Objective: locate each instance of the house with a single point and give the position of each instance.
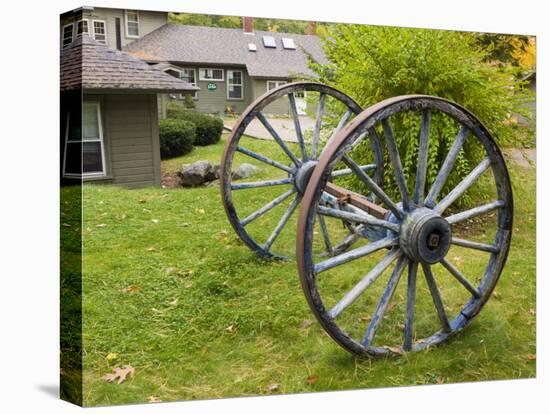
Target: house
(232, 67)
(115, 28)
(109, 115)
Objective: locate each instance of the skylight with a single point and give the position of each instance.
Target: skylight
(269, 41)
(252, 47)
(288, 43)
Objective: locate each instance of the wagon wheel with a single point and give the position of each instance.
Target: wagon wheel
(260, 209)
(357, 295)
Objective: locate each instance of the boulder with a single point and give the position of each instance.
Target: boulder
(197, 173)
(245, 171)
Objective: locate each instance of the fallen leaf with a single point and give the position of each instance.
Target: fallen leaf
(111, 355)
(174, 302)
(496, 295)
(531, 357)
(154, 221)
(440, 380)
(65, 224)
(312, 379)
(532, 311)
(170, 270)
(231, 328)
(188, 285)
(120, 374)
(306, 324)
(199, 210)
(123, 216)
(365, 318)
(153, 399)
(131, 289)
(273, 387)
(151, 249)
(184, 224)
(101, 225)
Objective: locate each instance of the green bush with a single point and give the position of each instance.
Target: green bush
(176, 137)
(189, 102)
(208, 128)
(374, 63)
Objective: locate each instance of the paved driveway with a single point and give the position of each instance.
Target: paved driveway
(283, 126)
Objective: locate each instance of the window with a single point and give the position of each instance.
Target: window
(81, 28)
(269, 41)
(67, 35)
(235, 84)
(288, 43)
(132, 23)
(209, 74)
(189, 75)
(272, 84)
(84, 153)
(100, 34)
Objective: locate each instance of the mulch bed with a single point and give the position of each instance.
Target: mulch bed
(170, 180)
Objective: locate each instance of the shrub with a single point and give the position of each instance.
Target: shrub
(374, 63)
(176, 137)
(208, 128)
(189, 102)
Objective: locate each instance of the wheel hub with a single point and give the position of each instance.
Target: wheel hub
(425, 236)
(303, 174)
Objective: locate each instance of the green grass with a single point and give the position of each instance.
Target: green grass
(206, 318)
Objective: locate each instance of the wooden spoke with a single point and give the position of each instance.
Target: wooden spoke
(460, 277)
(463, 186)
(411, 298)
(475, 245)
(267, 207)
(384, 301)
(355, 254)
(372, 186)
(422, 162)
(277, 138)
(476, 211)
(257, 184)
(262, 158)
(324, 231)
(282, 222)
(297, 126)
(345, 118)
(318, 124)
(396, 164)
(358, 217)
(446, 167)
(436, 297)
(364, 283)
(347, 171)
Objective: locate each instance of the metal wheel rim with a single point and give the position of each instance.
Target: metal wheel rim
(233, 141)
(319, 177)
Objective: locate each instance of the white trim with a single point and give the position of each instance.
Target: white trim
(63, 45)
(180, 70)
(126, 24)
(211, 80)
(277, 84)
(87, 27)
(100, 139)
(104, 30)
(235, 84)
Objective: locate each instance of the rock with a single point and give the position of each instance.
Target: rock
(245, 170)
(197, 173)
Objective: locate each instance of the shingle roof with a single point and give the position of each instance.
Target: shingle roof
(88, 64)
(219, 46)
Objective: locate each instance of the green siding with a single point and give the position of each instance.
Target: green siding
(130, 125)
(279, 107)
(148, 21)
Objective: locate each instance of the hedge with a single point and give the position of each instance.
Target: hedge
(208, 128)
(176, 137)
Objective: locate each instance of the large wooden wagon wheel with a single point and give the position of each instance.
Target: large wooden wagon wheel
(360, 296)
(266, 205)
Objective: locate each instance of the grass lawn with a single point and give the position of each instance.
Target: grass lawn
(170, 290)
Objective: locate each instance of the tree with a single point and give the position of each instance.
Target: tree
(374, 63)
